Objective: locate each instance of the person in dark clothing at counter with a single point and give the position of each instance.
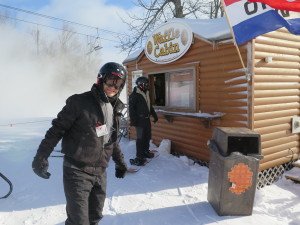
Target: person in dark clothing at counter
(88, 127)
(140, 109)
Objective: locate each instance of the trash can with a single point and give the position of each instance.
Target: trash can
(233, 170)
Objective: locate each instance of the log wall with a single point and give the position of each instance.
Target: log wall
(276, 95)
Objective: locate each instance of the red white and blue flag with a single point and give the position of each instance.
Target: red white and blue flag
(251, 19)
(289, 5)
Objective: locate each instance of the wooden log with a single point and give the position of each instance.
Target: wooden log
(276, 78)
(272, 122)
(227, 103)
(276, 64)
(279, 141)
(275, 135)
(283, 154)
(276, 85)
(222, 67)
(270, 40)
(223, 81)
(224, 109)
(282, 36)
(226, 74)
(276, 71)
(276, 49)
(274, 163)
(222, 95)
(276, 93)
(276, 107)
(276, 114)
(275, 100)
(233, 123)
(276, 56)
(293, 146)
(272, 129)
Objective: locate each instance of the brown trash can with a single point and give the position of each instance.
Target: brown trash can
(233, 170)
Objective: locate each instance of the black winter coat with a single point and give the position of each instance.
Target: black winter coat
(76, 126)
(138, 108)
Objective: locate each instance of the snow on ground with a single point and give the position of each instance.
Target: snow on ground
(169, 190)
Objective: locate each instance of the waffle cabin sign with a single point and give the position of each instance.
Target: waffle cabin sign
(168, 42)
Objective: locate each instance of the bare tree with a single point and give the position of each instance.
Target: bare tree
(158, 12)
(67, 52)
(6, 18)
(3, 17)
(216, 9)
(67, 40)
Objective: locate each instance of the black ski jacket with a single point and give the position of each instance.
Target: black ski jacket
(138, 109)
(76, 126)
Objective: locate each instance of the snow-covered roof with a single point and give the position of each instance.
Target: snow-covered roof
(208, 29)
(133, 56)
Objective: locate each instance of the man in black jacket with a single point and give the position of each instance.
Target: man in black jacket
(88, 127)
(140, 109)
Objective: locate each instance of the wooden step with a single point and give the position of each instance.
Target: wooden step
(293, 174)
(296, 164)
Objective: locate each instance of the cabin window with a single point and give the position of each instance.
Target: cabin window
(174, 89)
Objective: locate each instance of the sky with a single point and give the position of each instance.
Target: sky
(35, 86)
(37, 4)
(102, 14)
(167, 191)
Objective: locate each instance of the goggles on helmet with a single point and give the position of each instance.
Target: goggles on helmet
(117, 83)
(144, 86)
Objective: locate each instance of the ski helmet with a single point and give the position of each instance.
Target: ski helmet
(113, 72)
(143, 83)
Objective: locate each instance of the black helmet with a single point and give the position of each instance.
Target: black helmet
(142, 83)
(112, 69)
(113, 74)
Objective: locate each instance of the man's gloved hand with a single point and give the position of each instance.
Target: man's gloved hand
(120, 171)
(40, 166)
(133, 123)
(155, 119)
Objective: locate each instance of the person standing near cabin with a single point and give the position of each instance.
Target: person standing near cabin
(88, 127)
(140, 109)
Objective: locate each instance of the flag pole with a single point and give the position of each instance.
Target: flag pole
(234, 41)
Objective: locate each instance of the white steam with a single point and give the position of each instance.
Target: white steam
(37, 85)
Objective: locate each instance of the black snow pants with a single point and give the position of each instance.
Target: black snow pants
(143, 136)
(85, 195)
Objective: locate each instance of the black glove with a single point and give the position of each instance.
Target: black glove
(133, 123)
(155, 119)
(120, 172)
(40, 166)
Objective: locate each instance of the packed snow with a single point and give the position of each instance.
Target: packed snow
(169, 190)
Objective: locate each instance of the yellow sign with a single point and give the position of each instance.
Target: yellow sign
(169, 42)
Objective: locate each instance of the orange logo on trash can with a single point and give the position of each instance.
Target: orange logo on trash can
(241, 178)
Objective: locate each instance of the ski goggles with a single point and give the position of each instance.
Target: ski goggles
(114, 82)
(144, 86)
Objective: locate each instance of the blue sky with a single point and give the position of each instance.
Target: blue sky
(126, 4)
(36, 4)
(27, 4)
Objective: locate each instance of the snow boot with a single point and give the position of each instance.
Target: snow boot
(148, 154)
(138, 161)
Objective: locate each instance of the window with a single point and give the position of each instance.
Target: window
(174, 89)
